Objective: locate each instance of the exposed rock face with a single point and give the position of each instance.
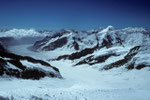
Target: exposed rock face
(52, 42)
(70, 39)
(91, 60)
(43, 42)
(56, 44)
(25, 67)
(78, 55)
(125, 60)
(75, 44)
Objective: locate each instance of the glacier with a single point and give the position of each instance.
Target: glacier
(98, 64)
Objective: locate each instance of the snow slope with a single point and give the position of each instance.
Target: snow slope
(106, 37)
(88, 81)
(79, 83)
(100, 48)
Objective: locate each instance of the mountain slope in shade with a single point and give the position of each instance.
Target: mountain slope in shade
(25, 67)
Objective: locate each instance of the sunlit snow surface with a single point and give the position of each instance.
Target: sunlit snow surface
(20, 33)
(79, 83)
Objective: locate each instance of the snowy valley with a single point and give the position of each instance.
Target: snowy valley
(99, 64)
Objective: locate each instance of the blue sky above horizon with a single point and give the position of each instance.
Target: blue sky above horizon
(74, 14)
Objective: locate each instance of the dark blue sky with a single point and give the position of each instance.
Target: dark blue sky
(74, 14)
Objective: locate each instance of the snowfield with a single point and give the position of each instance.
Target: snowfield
(79, 83)
(102, 64)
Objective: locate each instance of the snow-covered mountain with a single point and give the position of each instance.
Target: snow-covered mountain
(99, 64)
(97, 47)
(25, 67)
(104, 48)
(20, 33)
(21, 36)
(79, 40)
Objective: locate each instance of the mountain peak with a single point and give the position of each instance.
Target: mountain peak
(109, 28)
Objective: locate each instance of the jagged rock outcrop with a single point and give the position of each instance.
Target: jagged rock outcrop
(91, 60)
(78, 55)
(71, 39)
(127, 58)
